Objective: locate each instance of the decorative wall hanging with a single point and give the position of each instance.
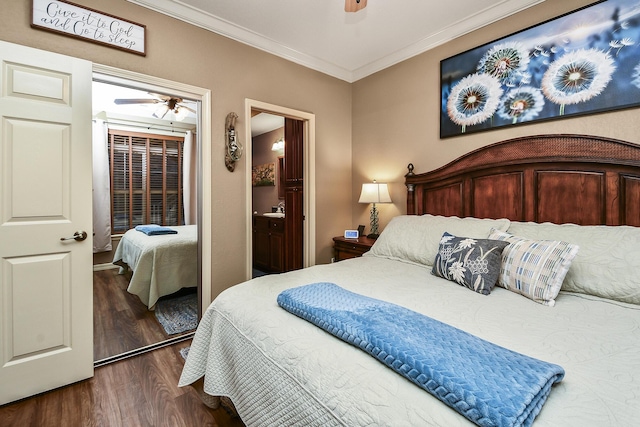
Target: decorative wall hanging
(264, 175)
(583, 62)
(64, 17)
(233, 146)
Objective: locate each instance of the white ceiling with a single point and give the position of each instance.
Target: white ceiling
(320, 35)
(264, 122)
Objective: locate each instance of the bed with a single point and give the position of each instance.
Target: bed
(280, 369)
(160, 264)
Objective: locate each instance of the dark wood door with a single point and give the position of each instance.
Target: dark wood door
(276, 252)
(294, 194)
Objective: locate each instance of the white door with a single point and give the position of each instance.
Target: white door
(46, 297)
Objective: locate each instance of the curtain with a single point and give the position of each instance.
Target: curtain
(101, 189)
(189, 191)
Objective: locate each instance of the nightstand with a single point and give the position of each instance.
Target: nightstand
(351, 248)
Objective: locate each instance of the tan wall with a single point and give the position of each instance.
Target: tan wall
(368, 130)
(102, 258)
(232, 71)
(396, 115)
(106, 257)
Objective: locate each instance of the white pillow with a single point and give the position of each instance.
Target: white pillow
(534, 268)
(415, 239)
(608, 263)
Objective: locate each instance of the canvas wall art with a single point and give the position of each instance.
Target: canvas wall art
(264, 175)
(584, 62)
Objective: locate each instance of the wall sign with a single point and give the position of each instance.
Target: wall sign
(88, 24)
(584, 62)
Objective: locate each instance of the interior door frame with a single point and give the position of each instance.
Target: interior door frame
(121, 77)
(309, 183)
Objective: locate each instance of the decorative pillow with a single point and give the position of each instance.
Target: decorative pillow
(474, 263)
(534, 268)
(415, 238)
(608, 263)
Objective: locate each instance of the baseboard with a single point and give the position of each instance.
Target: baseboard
(105, 266)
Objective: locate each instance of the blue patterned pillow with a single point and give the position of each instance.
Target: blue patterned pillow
(474, 263)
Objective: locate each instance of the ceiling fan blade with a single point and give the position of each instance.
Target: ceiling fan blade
(161, 112)
(164, 98)
(120, 101)
(188, 108)
(354, 5)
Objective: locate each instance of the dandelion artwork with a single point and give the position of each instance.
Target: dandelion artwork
(474, 99)
(264, 175)
(577, 77)
(584, 62)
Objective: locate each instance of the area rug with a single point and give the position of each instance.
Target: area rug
(177, 315)
(184, 352)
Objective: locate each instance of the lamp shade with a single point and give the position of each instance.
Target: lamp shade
(374, 193)
(278, 145)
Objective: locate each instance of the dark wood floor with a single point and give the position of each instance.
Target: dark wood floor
(121, 322)
(140, 391)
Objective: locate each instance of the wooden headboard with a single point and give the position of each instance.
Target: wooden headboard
(578, 179)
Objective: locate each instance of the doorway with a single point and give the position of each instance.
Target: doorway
(307, 162)
(268, 203)
(52, 314)
(146, 332)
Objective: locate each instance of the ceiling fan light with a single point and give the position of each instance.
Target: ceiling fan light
(181, 113)
(354, 5)
(160, 111)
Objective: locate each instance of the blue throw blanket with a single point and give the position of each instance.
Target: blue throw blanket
(155, 230)
(488, 384)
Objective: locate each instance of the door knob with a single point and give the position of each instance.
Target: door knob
(78, 236)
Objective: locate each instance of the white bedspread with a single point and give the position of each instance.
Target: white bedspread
(281, 370)
(161, 264)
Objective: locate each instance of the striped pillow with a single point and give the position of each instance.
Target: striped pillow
(534, 268)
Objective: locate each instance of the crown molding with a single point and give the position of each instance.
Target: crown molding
(193, 16)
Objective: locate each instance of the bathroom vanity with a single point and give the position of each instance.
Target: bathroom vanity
(268, 243)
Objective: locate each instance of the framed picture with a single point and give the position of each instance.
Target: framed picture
(264, 175)
(583, 62)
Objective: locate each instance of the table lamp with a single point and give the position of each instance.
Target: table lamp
(374, 193)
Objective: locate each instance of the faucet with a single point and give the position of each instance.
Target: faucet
(281, 206)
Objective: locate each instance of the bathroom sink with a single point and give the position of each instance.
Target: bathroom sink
(274, 214)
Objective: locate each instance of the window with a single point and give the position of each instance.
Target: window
(146, 180)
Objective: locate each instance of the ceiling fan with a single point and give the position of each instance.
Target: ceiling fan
(354, 5)
(167, 103)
